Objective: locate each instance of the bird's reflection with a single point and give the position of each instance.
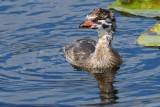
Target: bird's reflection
(104, 78)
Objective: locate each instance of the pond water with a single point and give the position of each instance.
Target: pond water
(34, 72)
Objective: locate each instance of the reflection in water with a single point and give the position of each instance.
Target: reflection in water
(104, 78)
(105, 84)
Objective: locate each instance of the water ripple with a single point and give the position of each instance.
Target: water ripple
(33, 69)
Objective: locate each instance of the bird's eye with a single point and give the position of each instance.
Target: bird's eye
(105, 26)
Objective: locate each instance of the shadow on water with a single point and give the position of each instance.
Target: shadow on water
(104, 78)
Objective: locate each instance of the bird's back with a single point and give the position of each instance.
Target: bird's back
(79, 51)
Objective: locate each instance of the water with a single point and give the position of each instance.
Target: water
(34, 72)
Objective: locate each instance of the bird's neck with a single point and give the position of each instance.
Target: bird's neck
(103, 46)
(105, 32)
(104, 39)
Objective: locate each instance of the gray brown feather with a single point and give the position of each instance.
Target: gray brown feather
(79, 50)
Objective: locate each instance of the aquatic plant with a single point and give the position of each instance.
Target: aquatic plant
(146, 8)
(150, 37)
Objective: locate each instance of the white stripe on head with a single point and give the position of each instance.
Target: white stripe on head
(89, 17)
(104, 22)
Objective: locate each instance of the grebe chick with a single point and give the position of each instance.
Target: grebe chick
(88, 53)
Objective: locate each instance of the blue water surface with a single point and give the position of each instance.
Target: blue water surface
(34, 72)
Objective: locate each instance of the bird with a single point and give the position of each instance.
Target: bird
(99, 54)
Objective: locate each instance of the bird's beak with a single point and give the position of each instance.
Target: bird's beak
(86, 24)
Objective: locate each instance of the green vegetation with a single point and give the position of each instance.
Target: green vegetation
(150, 37)
(146, 8)
(137, 4)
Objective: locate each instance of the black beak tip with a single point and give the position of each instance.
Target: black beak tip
(80, 26)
